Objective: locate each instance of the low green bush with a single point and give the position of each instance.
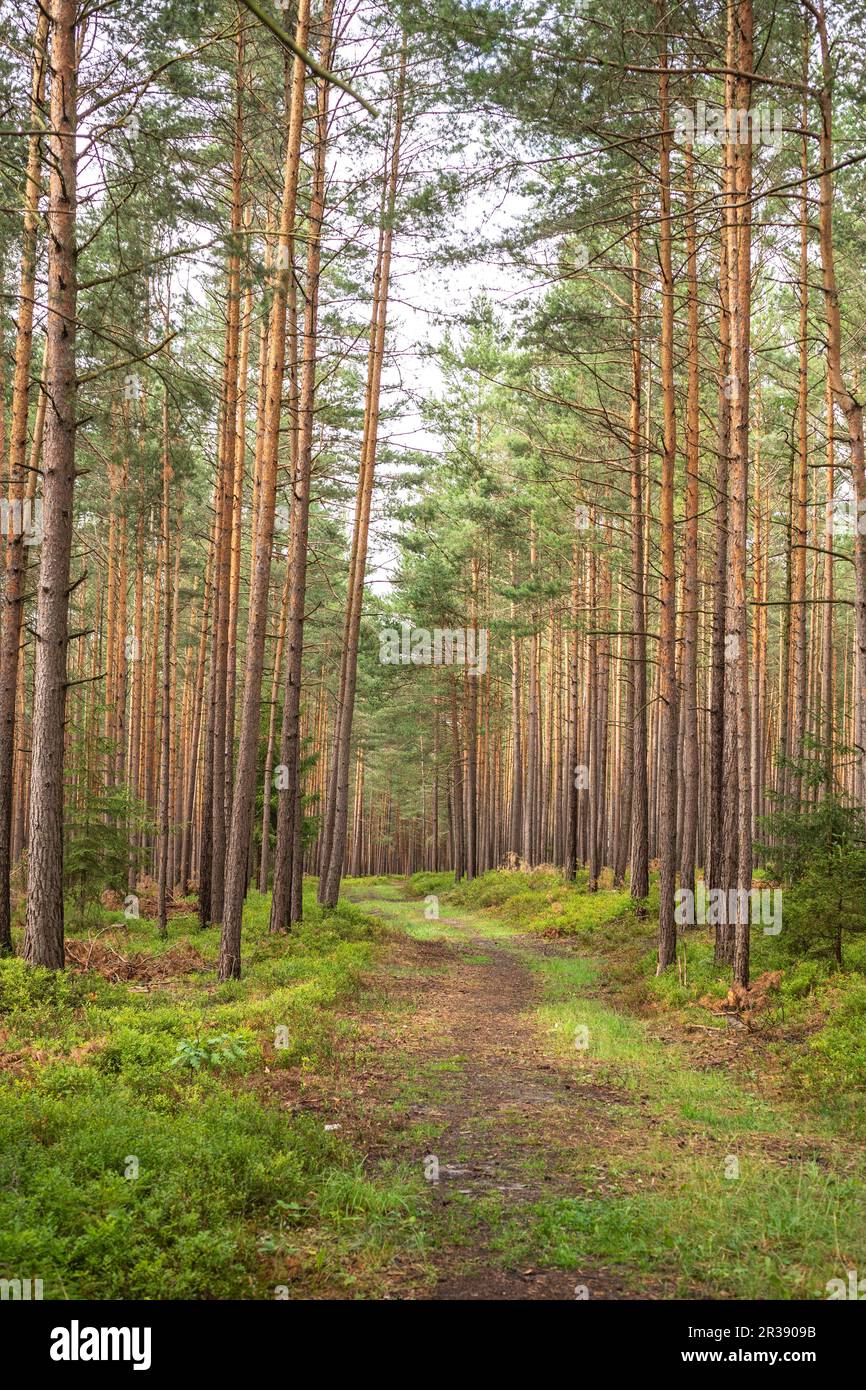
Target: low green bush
(422, 884)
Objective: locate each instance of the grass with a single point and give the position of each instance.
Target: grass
(814, 1023)
(148, 1153)
(783, 1226)
(768, 1234)
(127, 1175)
(725, 1190)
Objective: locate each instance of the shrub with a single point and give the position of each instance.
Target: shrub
(835, 1061)
(98, 831)
(819, 852)
(213, 1050)
(423, 883)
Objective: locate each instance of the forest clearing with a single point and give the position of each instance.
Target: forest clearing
(433, 655)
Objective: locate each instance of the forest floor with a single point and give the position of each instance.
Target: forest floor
(454, 1073)
(394, 1104)
(577, 1155)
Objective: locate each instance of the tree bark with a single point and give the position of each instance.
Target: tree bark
(667, 834)
(337, 810)
(287, 901)
(43, 941)
(245, 782)
(843, 397)
(16, 555)
(739, 241)
(691, 595)
(640, 793)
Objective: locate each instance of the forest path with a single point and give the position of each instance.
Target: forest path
(455, 1072)
(582, 1152)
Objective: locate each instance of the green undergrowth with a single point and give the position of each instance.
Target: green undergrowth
(769, 1234)
(812, 1015)
(145, 1154)
(537, 900)
(720, 1191)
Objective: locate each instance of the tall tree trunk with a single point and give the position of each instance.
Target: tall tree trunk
(640, 793)
(668, 593)
(287, 901)
(248, 746)
(691, 594)
(43, 941)
(16, 555)
(265, 854)
(515, 832)
(850, 407)
(191, 771)
(721, 729)
(338, 798)
(572, 788)
(739, 234)
(239, 451)
(471, 711)
(165, 715)
(530, 809)
(459, 838)
(827, 722)
(221, 734)
(135, 723)
(799, 652)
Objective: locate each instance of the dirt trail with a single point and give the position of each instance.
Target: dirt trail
(455, 1043)
(555, 1171)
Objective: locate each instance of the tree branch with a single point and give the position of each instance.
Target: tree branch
(285, 39)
